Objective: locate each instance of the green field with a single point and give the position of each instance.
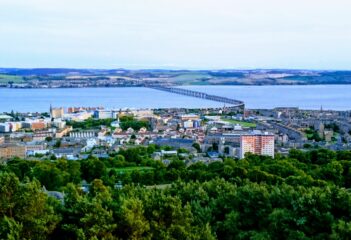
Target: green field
(10, 78)
(242, 123)
(309, 135)
(190, 78)
(131, 169)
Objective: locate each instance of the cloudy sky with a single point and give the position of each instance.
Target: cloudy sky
(193, 34)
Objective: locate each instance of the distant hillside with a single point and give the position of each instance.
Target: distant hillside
(65, 77)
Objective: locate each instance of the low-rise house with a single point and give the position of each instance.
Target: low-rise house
(80, 116)
(205, 160)
(69, 153)
(156, 155)
(42, 135)
(35, 152)
(168, 153)
(142, 130)
(35, 146)
(90, 144)
(58, 123)
(63, 132)
(107, 141)
(100, 153)
(166, 162)
(83, 134)
(115, 124)
(175, 142)
(5, 127)
(130, 130)
(5, 118)
(40, 125)
(328, 135)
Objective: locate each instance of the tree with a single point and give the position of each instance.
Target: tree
(92, 168)
(257, 197)
(322, 156)
(50, 176)
(26, 210)
(197, 147)
(48, 139)
(333, 171)
(88, 216)
(231, 225)
(19, 167)
(341, 230)
(10, 229)
(133, 222)
(74, 171)
(151, 148)
(58, 143)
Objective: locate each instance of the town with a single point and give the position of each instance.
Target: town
(192, 135)
(175, 120)
(83, 78)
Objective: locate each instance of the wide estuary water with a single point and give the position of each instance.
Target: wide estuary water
(336, 97)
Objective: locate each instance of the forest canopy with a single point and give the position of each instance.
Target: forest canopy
(130, 196)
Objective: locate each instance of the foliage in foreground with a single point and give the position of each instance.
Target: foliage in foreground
(305, 196)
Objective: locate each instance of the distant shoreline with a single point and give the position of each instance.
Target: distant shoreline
(187, 85)
(63, 78)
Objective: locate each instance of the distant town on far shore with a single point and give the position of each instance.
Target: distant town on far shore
(64, 77)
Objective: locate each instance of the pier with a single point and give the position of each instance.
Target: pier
(232, 102)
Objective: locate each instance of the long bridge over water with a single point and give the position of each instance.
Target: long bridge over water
(232, 102)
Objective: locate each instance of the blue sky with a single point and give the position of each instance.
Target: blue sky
(193, 34)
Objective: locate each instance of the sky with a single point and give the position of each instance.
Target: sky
(176, 34)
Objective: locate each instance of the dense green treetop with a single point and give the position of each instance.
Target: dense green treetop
(303, 196)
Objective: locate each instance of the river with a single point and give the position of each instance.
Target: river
(335, 97)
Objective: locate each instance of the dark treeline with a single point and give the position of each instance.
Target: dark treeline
(303, 196)
(90, 123)
(126, 122)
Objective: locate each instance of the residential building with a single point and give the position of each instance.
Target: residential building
(62, 132)
(5, 127)
(10, 150)
(83, 134)
(42, 135)
(104, 114)
(187, 117)
(175, 142)
(70, 153)
(15, 126)
(56, 112)
(79, 116)
(32, 146)
(58, 123)
(188, 124)
(5, 118)
(261, 144)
